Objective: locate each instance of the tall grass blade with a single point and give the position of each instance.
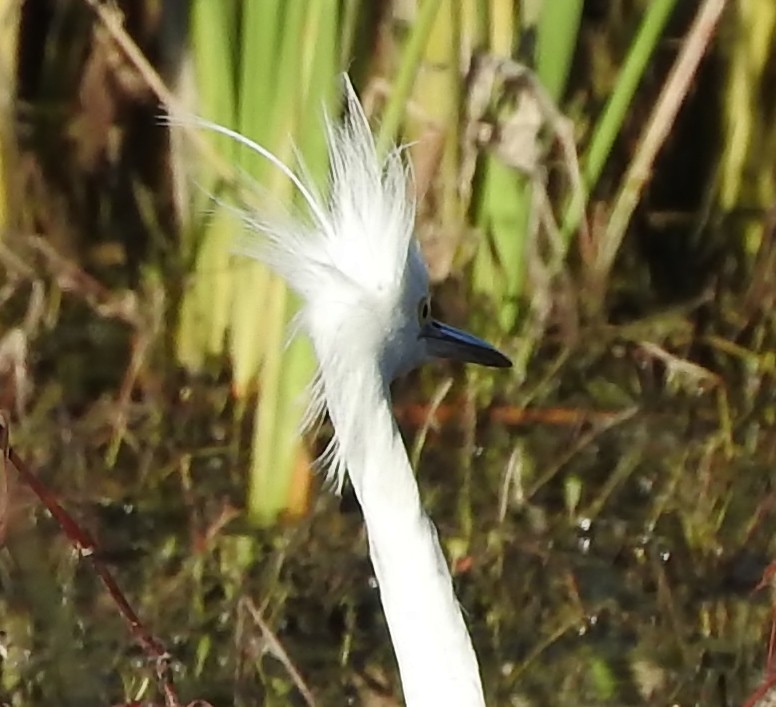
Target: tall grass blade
(656, 131)
(747, 131)
(505, 214)
(411, 56)
(501, 211)
(9, 36)
(609, 124)
(437, 96)
(308, 57)
(556, 42)
(204, 310)
(266, 68)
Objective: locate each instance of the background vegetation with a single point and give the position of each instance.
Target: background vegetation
(596, 195)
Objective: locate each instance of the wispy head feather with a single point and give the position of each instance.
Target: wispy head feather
(348, 259)
(361, 231)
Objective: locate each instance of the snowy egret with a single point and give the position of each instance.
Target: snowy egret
(366, 308)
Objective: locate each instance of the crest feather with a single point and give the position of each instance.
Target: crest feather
(348, 253)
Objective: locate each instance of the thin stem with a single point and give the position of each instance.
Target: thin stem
(658, 127)
(610, 123)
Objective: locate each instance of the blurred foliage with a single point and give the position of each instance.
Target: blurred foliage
(9, 33)
(609, 509)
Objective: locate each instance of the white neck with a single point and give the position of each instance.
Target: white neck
(436, 659)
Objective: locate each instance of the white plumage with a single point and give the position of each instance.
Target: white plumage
(365, 306)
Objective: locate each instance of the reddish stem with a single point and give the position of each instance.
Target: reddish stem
(86, 547)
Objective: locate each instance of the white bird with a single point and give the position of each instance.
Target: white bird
(365, 306)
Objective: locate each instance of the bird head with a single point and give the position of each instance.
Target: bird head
(356, 265)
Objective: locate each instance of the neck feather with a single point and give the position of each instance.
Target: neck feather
(436, 659)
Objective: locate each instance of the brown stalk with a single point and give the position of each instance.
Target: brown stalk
(658, 127)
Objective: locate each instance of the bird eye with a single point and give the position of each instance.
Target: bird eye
(424, 310)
